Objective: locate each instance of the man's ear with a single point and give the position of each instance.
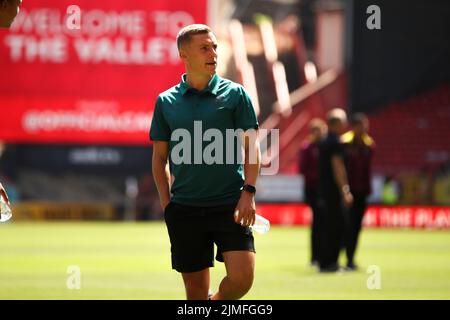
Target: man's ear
(182, 53)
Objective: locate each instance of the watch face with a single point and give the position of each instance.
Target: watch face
(249, 188)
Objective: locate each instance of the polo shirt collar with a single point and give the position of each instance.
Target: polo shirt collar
(213, 85)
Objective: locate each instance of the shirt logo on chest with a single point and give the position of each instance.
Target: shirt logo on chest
(220, 98)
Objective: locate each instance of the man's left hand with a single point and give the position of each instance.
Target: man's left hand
(244, 213)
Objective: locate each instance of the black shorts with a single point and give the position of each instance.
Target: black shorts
(194, 230)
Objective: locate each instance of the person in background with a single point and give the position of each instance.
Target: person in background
(8, 12)
(334, 192)
(309, 167)
(390, 192)
(3, 194)
(359, 150)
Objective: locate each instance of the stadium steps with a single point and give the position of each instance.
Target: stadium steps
(413, 135)
(294, 128)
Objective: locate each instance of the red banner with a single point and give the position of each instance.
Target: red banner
(375, 216)
(89, 73)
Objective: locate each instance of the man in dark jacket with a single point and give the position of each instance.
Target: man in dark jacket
(334, 192)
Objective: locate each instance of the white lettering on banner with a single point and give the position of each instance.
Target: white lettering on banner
(424, 218)
(396, 217)
(100, 36)
(370, 218)
(43, 22)
(73, 120)
(157, 51)
(32, 49)
(409, 217)
(99, 23)
(169, 23)
(283, 213)
(442, 219)
(94, 23)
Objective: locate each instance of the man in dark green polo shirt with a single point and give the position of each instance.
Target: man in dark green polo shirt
(199, 125)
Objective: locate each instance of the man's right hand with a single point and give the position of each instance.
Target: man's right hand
(347, 199)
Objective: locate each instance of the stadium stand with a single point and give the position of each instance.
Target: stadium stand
(413, 134)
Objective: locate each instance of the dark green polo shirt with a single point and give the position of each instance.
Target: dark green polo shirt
(222, 106)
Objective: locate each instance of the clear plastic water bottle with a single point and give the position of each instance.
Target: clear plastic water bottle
(261, 225)
(5, 210)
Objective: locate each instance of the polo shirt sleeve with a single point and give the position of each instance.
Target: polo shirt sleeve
(159, 129)
(244, 114)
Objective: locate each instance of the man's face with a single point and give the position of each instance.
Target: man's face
(341, 126)
(8, 12)
(200, 55)
(361, 128)
(317, 133)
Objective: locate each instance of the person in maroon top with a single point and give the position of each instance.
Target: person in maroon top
(359, 151)
(309, 167)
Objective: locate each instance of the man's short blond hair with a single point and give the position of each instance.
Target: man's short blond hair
(184, 35)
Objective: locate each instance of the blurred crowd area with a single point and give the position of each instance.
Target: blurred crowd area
(298, 59)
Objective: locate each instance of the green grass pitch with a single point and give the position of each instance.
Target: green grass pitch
(132, 261)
